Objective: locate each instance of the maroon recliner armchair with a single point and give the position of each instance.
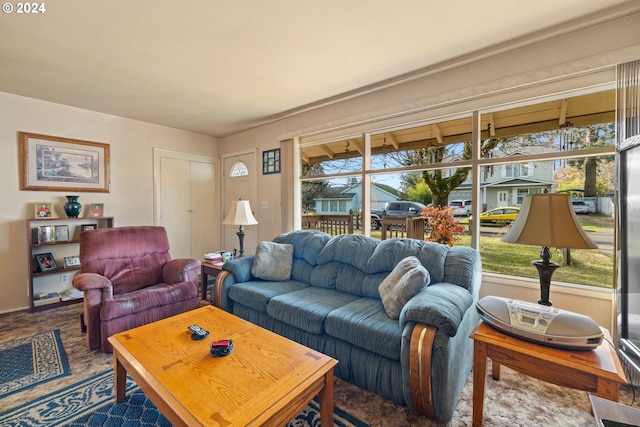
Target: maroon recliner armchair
(129, 279)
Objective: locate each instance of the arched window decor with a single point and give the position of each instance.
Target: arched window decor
(238, 169)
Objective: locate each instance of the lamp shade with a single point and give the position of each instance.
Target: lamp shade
(240, 214)
(548, 220)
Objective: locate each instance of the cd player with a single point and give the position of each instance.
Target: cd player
(540, 323)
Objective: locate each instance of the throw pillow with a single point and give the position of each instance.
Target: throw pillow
(273, 261)
(406, 279)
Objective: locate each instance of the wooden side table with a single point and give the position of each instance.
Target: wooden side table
(208, 269)
(597, 371)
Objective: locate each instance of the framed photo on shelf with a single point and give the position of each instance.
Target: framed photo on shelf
(271, 161)
(96, 210)
(87, 227)
(43, 210)
(46, 262)
(46, 234)
(72, 261)
(61, 233)
(51, 163)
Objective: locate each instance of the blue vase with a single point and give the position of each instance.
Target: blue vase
(72, 208)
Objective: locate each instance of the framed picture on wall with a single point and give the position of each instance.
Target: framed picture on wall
(51, 163)
(271, 161)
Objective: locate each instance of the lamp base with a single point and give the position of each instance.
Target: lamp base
(240, 235)
(545, 271)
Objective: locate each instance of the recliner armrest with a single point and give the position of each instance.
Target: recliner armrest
(87, 281)
(442, 305)
(180, 270)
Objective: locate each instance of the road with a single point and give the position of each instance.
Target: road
(603, 238)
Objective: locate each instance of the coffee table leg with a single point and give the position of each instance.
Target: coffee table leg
(479, 378)
(119, 379)
(326, 400)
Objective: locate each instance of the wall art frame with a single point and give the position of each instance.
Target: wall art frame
(271, 161)
(51, 163)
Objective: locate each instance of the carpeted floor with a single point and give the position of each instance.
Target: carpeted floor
(515, 400)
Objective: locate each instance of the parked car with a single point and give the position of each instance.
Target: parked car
(461, 207)
(397, 208)
(580, 207)
(501, 215)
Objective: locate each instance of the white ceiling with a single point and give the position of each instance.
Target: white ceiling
(220, 66)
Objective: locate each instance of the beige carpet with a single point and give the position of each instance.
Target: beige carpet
(515, 400)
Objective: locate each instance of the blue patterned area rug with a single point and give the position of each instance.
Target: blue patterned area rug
(27, 362)
(90, 403)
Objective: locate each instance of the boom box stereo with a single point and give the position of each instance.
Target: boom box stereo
(540, 323)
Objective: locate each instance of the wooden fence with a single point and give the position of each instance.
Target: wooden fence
(403, 226)
(331, 224)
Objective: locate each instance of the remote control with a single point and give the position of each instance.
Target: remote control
(198, 332)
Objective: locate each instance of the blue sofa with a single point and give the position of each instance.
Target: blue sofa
(331, 303)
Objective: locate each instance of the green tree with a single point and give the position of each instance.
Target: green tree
(599, 135)
(420, 192)
(311, 189)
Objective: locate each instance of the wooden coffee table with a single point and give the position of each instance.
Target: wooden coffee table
(267, 380)
(597, 371)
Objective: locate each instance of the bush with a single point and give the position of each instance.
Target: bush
(442, 226)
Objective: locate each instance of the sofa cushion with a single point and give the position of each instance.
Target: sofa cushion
(257, 294)
(364, 323)
(307, 309)
(342, 263)
(391, 251)
(307, 245)
(404, 281)
(273, 261)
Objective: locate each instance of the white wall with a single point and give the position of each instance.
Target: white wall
(130, 199)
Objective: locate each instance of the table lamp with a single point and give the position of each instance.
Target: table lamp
(548, 220)
(240, 214)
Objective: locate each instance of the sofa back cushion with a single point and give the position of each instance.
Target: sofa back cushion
(342, 263)
(131, 257)
(307, 245)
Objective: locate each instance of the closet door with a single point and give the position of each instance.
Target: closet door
(186, 205)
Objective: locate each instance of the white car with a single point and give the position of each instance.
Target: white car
(580, 207)
(461, 207)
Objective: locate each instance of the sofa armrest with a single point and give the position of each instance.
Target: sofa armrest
(86, 281)
(181, 270)
(240, 268)
(442, 305)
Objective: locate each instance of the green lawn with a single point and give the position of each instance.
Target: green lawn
(588, 267)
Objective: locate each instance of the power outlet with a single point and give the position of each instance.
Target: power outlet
(64, 278)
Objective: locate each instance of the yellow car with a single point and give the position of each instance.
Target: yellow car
(501, 215)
